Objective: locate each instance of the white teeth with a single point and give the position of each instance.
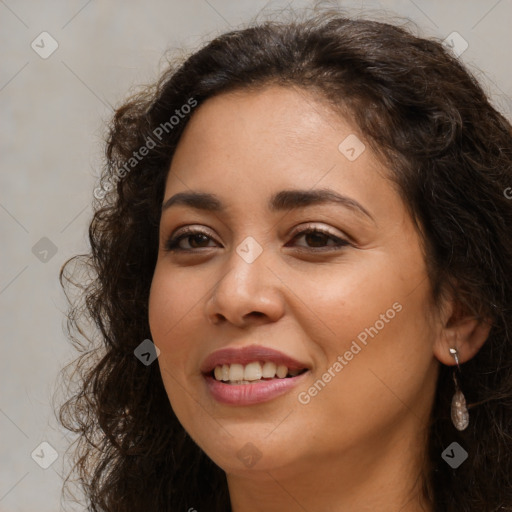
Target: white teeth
(282, 371)
(239, 374)
(269, 370)
(253, 371)
(236, 372)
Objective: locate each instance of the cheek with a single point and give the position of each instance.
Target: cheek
(173, 298)
(174, 308)
(367, 388)
(376, 320)
(174, 305)
(342, 303)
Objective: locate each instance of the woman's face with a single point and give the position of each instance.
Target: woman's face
(304, 247)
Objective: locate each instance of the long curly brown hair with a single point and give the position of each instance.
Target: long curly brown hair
(449, 153)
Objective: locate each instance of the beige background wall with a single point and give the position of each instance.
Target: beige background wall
(51, 128)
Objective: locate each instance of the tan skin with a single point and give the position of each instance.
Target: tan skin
(358, 444)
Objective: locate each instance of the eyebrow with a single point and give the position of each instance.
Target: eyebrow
(281, 201)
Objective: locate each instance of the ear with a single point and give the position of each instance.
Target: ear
(461, 330)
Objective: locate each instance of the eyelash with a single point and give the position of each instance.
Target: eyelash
(172, 245)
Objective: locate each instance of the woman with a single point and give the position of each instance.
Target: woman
(308, 221)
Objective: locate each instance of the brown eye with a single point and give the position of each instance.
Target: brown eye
(315, 238)
(189, 240)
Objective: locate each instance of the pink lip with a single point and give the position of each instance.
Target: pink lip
(258, 391)
(246, 355)
(255, 393)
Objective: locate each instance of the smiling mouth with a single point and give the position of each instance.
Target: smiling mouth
(251, 373)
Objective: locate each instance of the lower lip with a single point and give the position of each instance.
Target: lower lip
(248, 394)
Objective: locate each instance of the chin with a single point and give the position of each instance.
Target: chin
(249, 449)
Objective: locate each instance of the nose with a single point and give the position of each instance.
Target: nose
(246, 294)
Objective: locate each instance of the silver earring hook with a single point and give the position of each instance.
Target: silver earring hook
(455, 353)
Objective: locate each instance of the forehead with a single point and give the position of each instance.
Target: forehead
(273, 115)
(273, 134)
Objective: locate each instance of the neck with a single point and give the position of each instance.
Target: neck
(383, 475)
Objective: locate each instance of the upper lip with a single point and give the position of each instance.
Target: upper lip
(249, 354)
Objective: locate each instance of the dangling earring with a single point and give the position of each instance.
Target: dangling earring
(460, 414)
